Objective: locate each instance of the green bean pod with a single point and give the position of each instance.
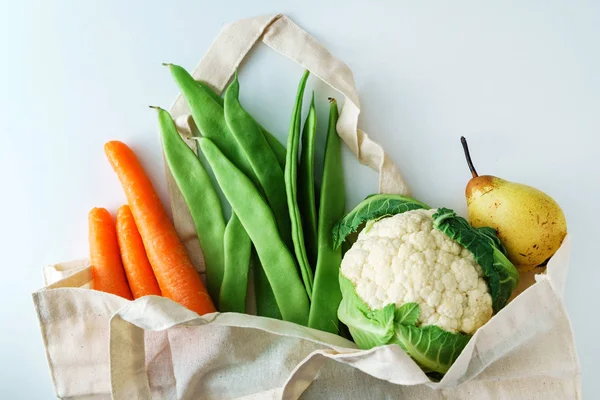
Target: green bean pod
(276, 147)
(291, 186)
(258, 220)
(274, 143)
(306, 184)
(232, 297)
(262, 160)
(201, 198)
(326, 291)
(209, 117)
(266, 305)
(206, 108)
(214, 95)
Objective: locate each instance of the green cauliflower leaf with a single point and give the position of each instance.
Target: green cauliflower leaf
(373, 208)
(500, 273)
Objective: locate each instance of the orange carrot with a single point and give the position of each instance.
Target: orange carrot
(107, 269)
(140, 276)
(176, 276)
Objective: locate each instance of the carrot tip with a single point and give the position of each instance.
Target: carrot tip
(113, 143)
(99, 212)
(123, 208)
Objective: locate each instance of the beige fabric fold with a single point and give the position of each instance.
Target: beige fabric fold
(100, 346)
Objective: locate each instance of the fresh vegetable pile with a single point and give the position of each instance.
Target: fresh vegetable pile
(275, 224)
(417, 277)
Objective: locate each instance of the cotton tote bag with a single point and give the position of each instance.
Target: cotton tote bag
(100, 346)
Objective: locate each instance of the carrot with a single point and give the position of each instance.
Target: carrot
(175, 274)
(107, 269)
(140, 276)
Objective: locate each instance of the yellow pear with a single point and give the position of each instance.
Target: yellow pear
(529, 223)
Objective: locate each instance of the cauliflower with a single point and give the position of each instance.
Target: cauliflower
(419, 278)
(404, 259)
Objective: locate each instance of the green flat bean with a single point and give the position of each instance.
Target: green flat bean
(232, 297)
(201, 198)
(266, 305)
(277, 147)
(262, 160)
(209, 117)
(326, 291)
(214, 95)
(274, 143)
(306, 184)
(259, 222)
(291, 179)
(207, 110)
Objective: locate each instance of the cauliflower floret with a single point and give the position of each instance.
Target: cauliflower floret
(404, 258)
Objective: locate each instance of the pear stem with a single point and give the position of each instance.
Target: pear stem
(468, 156)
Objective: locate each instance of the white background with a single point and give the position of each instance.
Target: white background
(520, 79)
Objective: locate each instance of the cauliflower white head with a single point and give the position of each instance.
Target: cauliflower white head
(405, 259)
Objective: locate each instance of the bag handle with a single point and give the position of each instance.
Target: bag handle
(278, 32)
